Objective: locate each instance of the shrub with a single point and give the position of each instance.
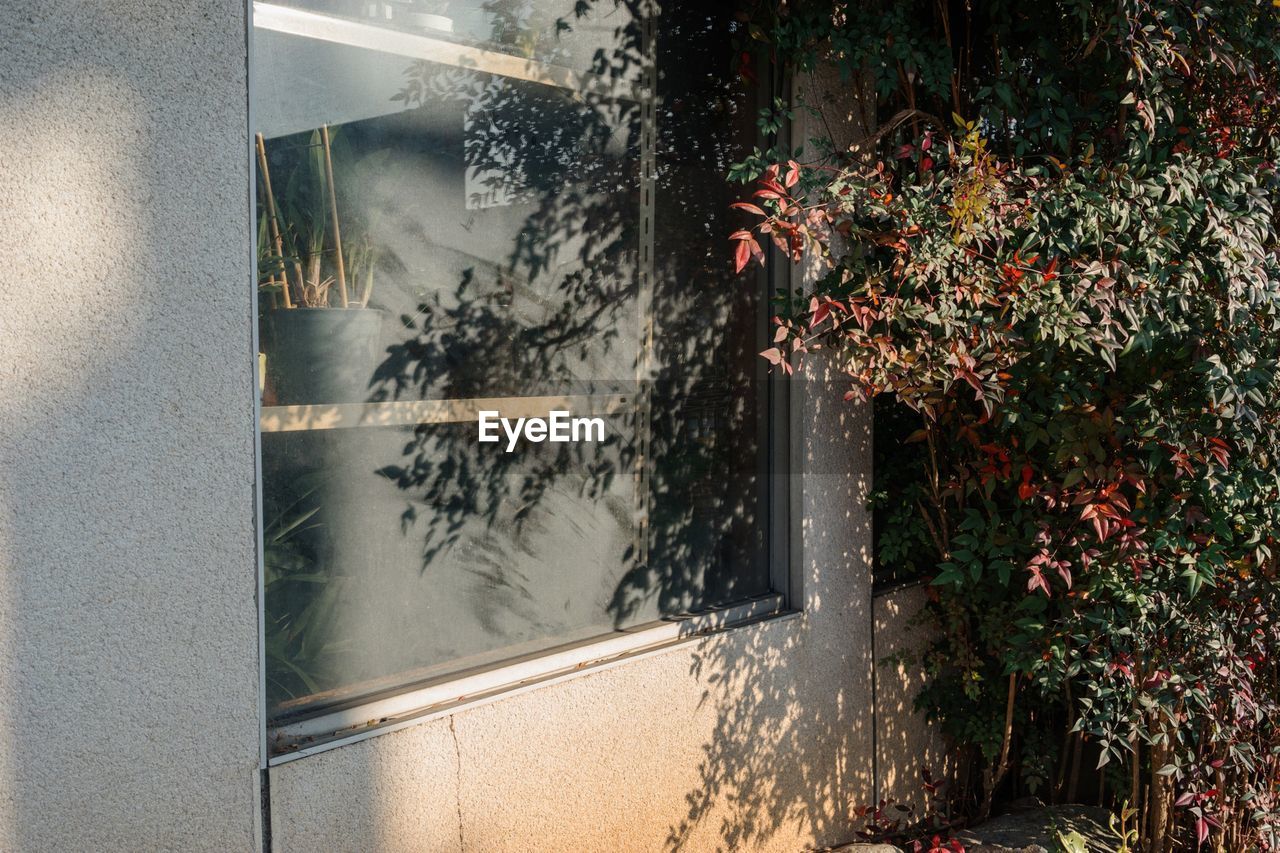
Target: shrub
(1071, 285)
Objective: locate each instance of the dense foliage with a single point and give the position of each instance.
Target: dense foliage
(1056, 252)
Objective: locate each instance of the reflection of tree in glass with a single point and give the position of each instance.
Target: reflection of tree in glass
(295, 649)
(571, 159)
(522, 26)
(707, 479)
(574, 157)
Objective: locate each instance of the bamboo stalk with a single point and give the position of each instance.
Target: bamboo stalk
(263, 237)
(273, 222)
(333, 213)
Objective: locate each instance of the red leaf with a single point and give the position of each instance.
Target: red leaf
(742, 255)
(749, 208)
(1220, 451)
(773, 355)
(1037, 581)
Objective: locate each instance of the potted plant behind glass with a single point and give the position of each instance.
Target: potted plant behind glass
(319, 335)
(320, 344)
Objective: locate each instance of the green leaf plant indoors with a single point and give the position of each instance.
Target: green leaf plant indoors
(302, 260)
(1056, 258)
(314, 354)
(320, 340)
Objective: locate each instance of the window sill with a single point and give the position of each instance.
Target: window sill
(296, 740)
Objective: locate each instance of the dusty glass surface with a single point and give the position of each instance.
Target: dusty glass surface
(491, 205)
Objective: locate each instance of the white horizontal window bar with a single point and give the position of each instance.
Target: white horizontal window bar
(330, 28)
(326, 731)
(413, 412)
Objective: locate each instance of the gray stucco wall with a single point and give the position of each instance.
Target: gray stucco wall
(905, 745)
(128, 674)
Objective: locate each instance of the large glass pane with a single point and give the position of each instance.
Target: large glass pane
(471, 205)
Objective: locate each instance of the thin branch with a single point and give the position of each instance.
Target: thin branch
(333, 213)
(869, 143)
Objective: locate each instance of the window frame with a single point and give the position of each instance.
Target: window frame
(371, 717)
(412, 704)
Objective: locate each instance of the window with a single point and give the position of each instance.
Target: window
(510, 206)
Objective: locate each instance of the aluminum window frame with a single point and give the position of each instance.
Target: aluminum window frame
(412, 704)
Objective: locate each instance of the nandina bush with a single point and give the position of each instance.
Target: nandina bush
(1067, 291)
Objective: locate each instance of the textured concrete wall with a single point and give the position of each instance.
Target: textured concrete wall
(755, 739)
(906, 745)
(128, 675)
